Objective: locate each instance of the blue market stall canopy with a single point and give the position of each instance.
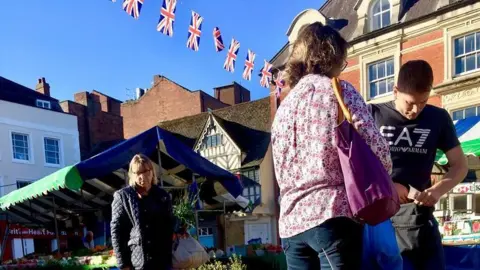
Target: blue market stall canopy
(468, 132)
(146, 143)
(86, 184)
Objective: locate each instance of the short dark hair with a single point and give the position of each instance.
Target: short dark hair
(415, 76)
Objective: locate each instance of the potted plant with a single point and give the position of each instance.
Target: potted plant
(184, 212)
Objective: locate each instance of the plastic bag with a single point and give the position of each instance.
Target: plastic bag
(188, 254)
(380, 248)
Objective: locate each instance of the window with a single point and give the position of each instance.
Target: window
(252, 193)
(380, 14)
(205, 231)
(20, 147)
(251, 186)
(466, 112)
(214, 140)
(23, 183)
(467, 53)
(253, 174)
(381, 76)
(52, 151)
(43, 104)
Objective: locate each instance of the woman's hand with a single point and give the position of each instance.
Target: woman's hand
(402, 192)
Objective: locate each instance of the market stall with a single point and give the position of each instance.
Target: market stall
(57, 199)
(457, 212)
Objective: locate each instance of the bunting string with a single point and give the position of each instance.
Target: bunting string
(165, 26)
(194, 31)
(167, 17)
(249, 65)
(232, 53)
(266, 74)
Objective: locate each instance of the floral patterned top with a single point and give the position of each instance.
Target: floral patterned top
(305, 156)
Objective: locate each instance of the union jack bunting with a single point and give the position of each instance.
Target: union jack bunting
(229, 64)
(217, 39)
(133, 7)
(279, 84)
(266, 74)
(194, 31)
(249, 63)
(167, 17)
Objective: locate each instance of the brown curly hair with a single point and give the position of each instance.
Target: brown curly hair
(319, 50)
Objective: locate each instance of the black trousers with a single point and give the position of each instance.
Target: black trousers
(418, 238)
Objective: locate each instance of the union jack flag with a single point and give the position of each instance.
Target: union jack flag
(167, 17)
(217, 39)
(229, 64)
(279, 84)
(266, 74)
(194, 31)
(133, 7)
(249, 63)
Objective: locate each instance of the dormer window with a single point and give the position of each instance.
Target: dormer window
(214, 140)
(380, 14)
(43, 104)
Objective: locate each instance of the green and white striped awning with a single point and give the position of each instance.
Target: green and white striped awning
(468, 132)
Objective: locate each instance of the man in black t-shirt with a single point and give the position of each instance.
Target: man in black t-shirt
(415, 130)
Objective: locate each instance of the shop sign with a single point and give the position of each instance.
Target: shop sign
(38, 233)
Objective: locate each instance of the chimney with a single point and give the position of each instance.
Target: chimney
(43, 87)
(232, 94)
(139, 92)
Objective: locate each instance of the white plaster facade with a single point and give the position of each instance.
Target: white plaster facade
(35, 125)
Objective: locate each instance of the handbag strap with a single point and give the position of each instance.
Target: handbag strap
(343, 111)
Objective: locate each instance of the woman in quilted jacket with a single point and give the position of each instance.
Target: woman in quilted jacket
(315, 223)
(142, 220)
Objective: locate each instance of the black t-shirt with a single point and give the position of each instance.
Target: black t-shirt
(414, 143)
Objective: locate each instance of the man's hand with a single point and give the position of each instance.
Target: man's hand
(402, 192)
(429, 197)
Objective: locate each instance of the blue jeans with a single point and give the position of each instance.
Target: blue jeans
(335, 244)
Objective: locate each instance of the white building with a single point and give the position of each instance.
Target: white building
(36, 139)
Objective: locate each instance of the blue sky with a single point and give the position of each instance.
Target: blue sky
(94, 44)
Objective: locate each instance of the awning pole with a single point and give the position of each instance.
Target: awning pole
(56, 225)
(224, 227)
(5, 238)
(159, 153)
(23, 246)
(195, 198)
(196, 225)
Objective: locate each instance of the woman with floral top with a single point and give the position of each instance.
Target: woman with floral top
(315, 223)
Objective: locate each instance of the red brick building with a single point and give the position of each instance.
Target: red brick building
(99, 120)
(104, 121)
(167, 100)
(446, 33)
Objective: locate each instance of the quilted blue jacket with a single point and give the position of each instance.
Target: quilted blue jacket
(138, 243)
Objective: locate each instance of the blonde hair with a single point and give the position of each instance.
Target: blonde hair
(139, 161)
(318, 49)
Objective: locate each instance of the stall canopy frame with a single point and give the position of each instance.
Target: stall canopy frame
(67, 185)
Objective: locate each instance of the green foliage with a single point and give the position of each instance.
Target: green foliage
(234, 263)
(184, 210)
